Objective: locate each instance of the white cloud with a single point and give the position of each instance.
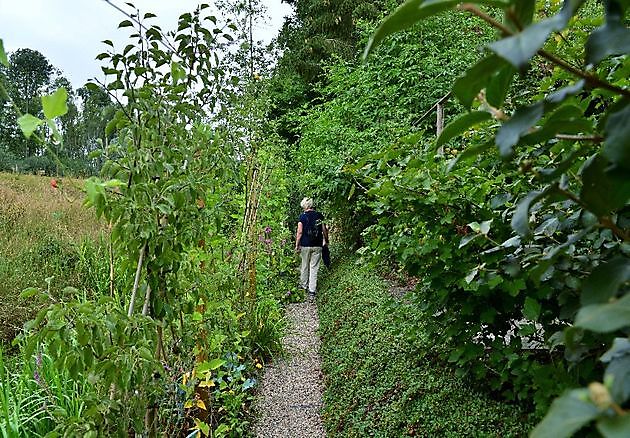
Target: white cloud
(69, 32)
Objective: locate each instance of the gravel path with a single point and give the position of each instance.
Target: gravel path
(290, 395)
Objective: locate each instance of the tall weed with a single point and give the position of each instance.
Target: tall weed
(36, 397)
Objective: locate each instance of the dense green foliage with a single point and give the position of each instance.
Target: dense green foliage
(172, 341)
(502, 294)
(513, 219)
(581, 234)
(43, 227)
(317, 33)
(380, 384)
(366, 108)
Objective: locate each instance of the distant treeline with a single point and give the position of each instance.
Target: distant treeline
(29, 76)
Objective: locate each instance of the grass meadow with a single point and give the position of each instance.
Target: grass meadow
(47, 240)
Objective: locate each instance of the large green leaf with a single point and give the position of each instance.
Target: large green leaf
(568, 119)
(3, 56)
(618, 360)
(55, 104)
(520, 219)
(619, 370)
(467, 239)
(559, 95)
(177, 72)
(522, 11)
(605, 280)
(497, 88)
(520, 123)
(610, 39)
(604, 190)
(604, 318)
(467, 87)
(531, 309)
(412, 11)
(461, 124)
(28, 124)
(617, 143)
(567, 414)
(621, 347)
(520, 48)
(525, 118)
(614, 427)
(613, 38)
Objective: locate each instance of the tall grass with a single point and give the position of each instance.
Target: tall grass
(46, 238)
(38, 399)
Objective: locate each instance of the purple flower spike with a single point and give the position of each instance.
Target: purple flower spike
(268, 241)
(267, 229)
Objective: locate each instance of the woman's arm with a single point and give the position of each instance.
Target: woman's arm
(325, 231)
(298, 236)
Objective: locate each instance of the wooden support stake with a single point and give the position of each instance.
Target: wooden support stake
(147, 298)
(111, 263)
(136, 281)
(439, 126)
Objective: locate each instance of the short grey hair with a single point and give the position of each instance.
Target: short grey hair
(306, 203)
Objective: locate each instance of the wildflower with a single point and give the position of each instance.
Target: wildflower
(38, 365)
(261, 238)
(268, 241)
(207, 384)
(283, 242)
(267, 229)
(259, 365)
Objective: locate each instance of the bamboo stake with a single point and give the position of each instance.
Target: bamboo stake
(136, 281)
(111, 263)
(440, 120)
(147, 296)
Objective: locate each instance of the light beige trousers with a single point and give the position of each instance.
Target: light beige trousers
(311, 256)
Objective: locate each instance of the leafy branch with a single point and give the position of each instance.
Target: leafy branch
(590, 78)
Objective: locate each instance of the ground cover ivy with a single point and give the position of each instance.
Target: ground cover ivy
(379, 383)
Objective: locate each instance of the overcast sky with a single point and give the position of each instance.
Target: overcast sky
(69, 32)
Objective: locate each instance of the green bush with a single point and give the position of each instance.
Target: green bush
(7, 160)
(379, 382)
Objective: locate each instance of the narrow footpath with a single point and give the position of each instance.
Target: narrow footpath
(290, 395)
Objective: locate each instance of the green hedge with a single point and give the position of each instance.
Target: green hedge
(379, 384)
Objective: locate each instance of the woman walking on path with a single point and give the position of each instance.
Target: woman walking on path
(311, 236)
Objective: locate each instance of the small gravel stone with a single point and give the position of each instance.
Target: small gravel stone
(289, 401)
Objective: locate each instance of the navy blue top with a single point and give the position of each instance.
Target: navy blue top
(312, 231)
